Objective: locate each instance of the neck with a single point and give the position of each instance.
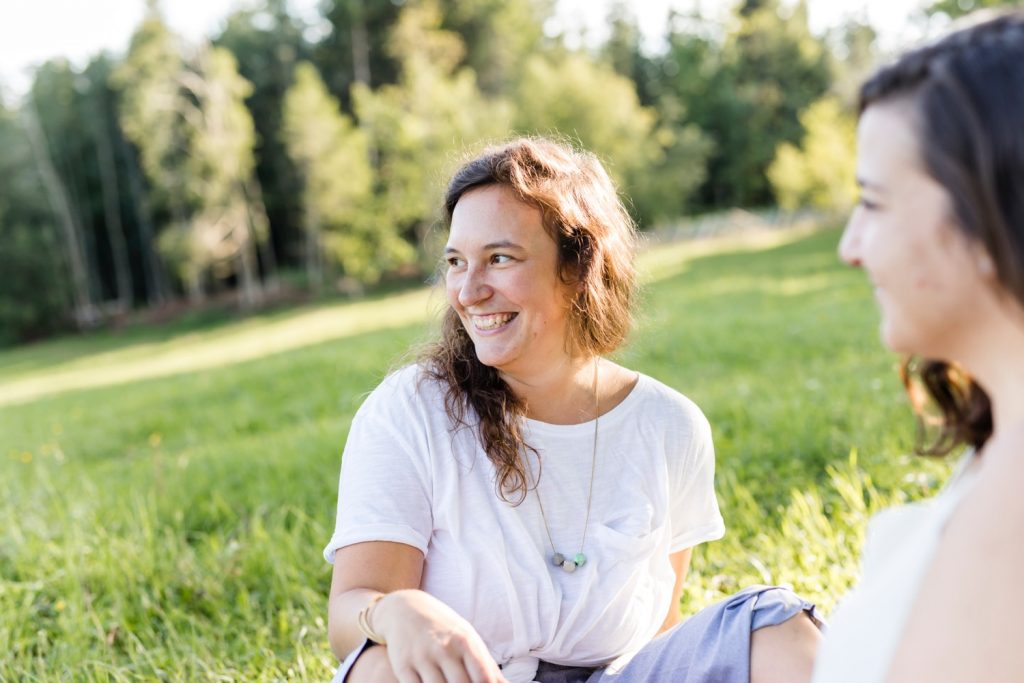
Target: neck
(996, 362)
(562, 393)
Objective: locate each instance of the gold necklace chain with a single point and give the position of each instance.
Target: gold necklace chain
(558, 559)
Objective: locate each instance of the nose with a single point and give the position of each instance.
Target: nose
(849, 244)
(473, 288)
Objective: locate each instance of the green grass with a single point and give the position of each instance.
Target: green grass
(167, 490)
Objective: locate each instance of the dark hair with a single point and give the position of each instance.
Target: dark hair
(596, 240)
(967, 95)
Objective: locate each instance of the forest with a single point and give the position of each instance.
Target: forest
(278, 161)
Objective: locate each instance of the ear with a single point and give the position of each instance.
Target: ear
(985, 265)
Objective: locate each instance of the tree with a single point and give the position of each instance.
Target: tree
(498, 36)
(774, 68)
(150, 109)
(228, 219)
(853, 59)
(65, 211)
(821, 172)
(418, 124)
(100, 116)
(355, 51)
(657, 162)
(332, 157)
(575, 97)
(267, 43)
(150, 95)
(622, 51)
(34, 290)
(745, 91)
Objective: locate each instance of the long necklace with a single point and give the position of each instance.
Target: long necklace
(579, 559)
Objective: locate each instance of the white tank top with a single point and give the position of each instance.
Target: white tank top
(868, 625)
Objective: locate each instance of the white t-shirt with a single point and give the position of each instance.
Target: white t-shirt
(868, 625)
(407, 477)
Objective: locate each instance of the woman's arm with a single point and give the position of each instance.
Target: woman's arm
(681, 565)
(965, 623)
(362, 572)
(426, 639)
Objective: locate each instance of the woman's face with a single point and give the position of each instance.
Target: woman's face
(502, 280)
(903, 234)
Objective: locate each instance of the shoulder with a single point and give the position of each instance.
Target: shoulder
(973, 581)
(661, 404)
(410, 387)
(994, 506)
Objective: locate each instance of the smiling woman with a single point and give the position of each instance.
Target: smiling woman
(514, 507)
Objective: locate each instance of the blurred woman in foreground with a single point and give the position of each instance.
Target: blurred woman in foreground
(940, 233)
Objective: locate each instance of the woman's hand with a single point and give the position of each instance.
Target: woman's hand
(428, 642)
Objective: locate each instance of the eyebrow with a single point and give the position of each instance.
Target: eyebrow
(502, 244)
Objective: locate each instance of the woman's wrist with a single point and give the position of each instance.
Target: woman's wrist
(365, 620)
(382, 611)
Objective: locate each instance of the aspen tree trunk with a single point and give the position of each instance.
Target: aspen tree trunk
(85, 312)
(112, 209)
(259, 223)
(314, 249)
(360, 43)
(158, 291)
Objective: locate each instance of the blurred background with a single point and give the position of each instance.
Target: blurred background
(162, 157)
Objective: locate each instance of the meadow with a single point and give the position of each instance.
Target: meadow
(167, 491)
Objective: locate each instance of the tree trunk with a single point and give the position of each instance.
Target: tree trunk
(259, 224)
(85, 312)
(112, 209)
(360, 43)
(158, 290)
(314, 257)
(248, 274)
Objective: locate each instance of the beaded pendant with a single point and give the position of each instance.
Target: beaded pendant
(560, 560)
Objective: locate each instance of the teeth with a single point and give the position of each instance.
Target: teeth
(490, 322)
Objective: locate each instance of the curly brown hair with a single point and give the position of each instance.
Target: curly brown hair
(967, 95)
(596, 238)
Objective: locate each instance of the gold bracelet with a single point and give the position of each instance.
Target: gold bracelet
(363, 619)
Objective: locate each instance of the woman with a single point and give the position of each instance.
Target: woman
(516, 507)
(940, 233)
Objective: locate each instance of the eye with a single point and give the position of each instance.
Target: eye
(501, 258)
(867, 204)
(454, 261)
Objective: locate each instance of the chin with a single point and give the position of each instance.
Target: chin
(490, 359)
(898, 341)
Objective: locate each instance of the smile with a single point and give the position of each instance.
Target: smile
(491, 322)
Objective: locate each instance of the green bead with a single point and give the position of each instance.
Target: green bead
(580, 559)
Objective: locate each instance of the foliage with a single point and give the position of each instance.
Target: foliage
(168, 174)
(33, 289)
(268, 42)
(744, 91)
(150, 96)
(333, 159)
(499, 36)
(574, 96)
(355, 50)
(170, 526)
(958, 8)
(418, 126)
(822, 171)
(658, 163)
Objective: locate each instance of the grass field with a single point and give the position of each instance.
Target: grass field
(167, 491)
